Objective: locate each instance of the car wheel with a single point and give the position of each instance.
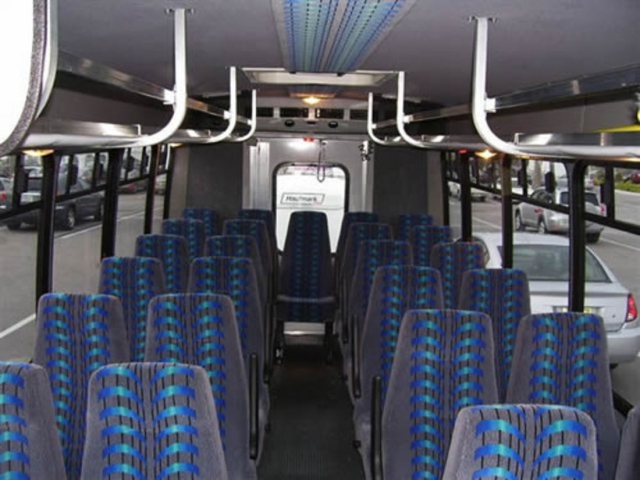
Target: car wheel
(98, 215)
(13, 225)
(69, 220)
(519, 225)
(593, 237)
(542, 226)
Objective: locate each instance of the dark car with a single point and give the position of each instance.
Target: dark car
(67, 213)
(6, 193)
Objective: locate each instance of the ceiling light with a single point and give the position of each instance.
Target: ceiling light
(279, 76)
(486, 154)
(38, 153)
(311, 100)
(175, 145)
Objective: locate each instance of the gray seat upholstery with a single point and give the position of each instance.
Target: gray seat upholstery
(407, 221)
(444, 361)
(561, 359)
(258, 230)
(152, 420)
(200, 329)
(348, 219)
(305, 292)
(207, 216)
(453, 259)
(522, 442)
(243, 246)
(629, 456)
(423, 238)
(192, 230)
(173, 252)
(29, 442)
(267, 217)
(134, 281)
(372, 254)
(395, 290)
(76, 335)
(503, 294)
(236, 278)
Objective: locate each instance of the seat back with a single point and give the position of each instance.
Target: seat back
(423, 238)
(152, 420)
(76, 335)
(267, 217)
(373, 254)
(173, 252)
(453, 259)
(200, 329)
(359, 232)
(561, 359)
(236, 278)
(243, 246)
(192, 230)
(395, 290)
(134, 281)
(208, 216)
(29, 439)
(503, 294)
(522, 442)
(443, 362)
(348, 219)
(258, 230)
(306, 277)
(629, 457)
(407, 221)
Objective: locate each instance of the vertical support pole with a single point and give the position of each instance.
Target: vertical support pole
(166, 210)
(20, 180)
(110, 219)
(48, 192)
(444, 173)
(156, 153)
(525, 186)
(577, 242)
(507, 213)
(465, 197)
(608, 193)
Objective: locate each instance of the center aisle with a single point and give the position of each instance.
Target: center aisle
(311, 435)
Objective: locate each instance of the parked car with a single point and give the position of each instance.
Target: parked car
(6, 193)
(161, 184)
(633, 177)
(545, 260)
(547, 221)
(476, 195)
(67, 213)
(134, 187)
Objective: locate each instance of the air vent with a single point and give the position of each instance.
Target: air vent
(359, 115)
(265, 112)
(330, 113)
(294, 112)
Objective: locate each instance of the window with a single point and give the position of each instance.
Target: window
(314, 188)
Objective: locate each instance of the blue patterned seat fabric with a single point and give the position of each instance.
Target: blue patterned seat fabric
(424, 238)
(258, 230)
(243, 246)
(407, 221)
(348, 219)
(134, 281)
(395, 290)
(267, 217)
(192, 230)
(200, 329)
(306, 278)
(76, 335)
(561, 359)
(173, 252)
(444, 362)
(522, 442)
(209, 217)
(29, 442)
(152, 421)
(503, 294)
(453, 259)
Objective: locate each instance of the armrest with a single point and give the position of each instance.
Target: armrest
(376, 428)
(355, 357)
(254, 399)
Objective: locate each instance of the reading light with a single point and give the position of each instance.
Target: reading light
(486, 154)
(311, 100)
(38, 153)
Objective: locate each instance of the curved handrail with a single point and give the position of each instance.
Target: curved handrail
(371, 126)
(254, 119)
(480, 105)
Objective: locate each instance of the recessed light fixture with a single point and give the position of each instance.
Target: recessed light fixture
(311, 100)
(37, 153)
(486, 154)
(357, 78)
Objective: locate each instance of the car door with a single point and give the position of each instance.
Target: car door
(527, 211)
(86, 204)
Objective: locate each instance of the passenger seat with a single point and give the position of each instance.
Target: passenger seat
(207, 216)
(452, 260)
(192, 230)
(173, 252)
(408, 221)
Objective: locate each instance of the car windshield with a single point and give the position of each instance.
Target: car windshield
(589, 197)
(551, 263)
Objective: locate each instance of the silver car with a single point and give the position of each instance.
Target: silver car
(547, 221)
(545, 260)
